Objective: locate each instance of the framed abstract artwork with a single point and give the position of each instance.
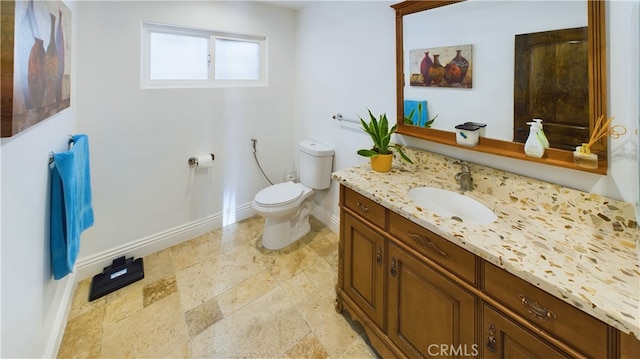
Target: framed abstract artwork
(35, 68)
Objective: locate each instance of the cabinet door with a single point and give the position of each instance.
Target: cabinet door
(429, 316)
(363, 268)
(629, 346)
(502, 338)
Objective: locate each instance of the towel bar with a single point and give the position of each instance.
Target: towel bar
(51, 153)
(338, 116)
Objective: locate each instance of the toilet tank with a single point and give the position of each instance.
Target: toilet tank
(314, 164)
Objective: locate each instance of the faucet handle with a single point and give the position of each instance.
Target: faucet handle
(463, 168)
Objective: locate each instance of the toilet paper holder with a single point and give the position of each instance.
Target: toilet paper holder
(193, 161)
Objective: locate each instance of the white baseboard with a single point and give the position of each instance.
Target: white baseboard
(94, 264)
(60, 317)
(327, 218)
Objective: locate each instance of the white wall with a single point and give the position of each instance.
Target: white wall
(141, 139)
(351, 67)
(32, 302)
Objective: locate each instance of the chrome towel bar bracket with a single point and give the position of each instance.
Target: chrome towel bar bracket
(338, 116)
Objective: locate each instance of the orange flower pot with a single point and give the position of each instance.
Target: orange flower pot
(381, 163)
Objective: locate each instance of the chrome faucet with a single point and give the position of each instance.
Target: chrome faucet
(464, 178)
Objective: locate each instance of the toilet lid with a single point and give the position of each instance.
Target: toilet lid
(279, 194)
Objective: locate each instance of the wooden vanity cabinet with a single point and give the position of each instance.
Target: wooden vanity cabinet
(408, 308)
(419, 295)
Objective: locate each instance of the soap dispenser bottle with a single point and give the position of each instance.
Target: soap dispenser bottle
(541, 136)
(533, 147)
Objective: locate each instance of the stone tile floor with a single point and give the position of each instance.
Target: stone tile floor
(222, 295)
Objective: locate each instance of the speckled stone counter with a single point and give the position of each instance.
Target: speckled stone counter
(580, 247)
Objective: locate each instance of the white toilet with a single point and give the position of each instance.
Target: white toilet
(286, 206)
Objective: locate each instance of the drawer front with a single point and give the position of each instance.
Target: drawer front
(563, 321)
(458, 260)
(363, 206)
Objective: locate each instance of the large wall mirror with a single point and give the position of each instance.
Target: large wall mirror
(485, 32)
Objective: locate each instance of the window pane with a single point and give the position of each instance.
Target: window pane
(178, 57)
(237, 60)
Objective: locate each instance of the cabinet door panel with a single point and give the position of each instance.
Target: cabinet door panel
(629, 346)
(504, 339)
(428, 314)
(363, 268)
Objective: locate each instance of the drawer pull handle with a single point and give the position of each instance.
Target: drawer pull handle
(362, 207)
(491, 338)
(425, 242)
(393, 267)
(536, 309)
(379, 257)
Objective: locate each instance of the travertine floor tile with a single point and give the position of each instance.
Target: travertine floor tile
(288, 265)
(246, 292)
(202, 317)
(209, 278)
(188, 253)
(298, 287)
(331, 328)
(153, 332)
(322, 274)
(359, 349)
(323, 245)
(308, 347)
(159, 289)
(123, 306)
(80, 303)
(222, 295)
(265, 328)
(83, 335)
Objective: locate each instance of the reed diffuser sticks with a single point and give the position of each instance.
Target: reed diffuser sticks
(583, 157)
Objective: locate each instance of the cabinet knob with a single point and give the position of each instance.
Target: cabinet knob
(362, 207)
(536, 309)
(379, 257)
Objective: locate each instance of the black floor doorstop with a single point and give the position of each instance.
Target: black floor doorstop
(119, 274)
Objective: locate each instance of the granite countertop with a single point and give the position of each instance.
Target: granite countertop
(580, 247)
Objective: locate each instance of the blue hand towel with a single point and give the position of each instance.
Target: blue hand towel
(71, 208)
(418, 118)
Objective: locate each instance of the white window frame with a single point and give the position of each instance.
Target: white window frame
(147, 83)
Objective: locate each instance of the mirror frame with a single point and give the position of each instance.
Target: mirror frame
(553, 156)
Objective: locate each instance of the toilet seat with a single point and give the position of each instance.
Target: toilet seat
(279, 194)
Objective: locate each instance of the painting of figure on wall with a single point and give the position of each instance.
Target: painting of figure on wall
(36, 68)
(441, 67)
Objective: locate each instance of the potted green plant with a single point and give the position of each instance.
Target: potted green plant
(380, 154)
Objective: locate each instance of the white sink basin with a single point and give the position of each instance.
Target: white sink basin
(449, 204)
